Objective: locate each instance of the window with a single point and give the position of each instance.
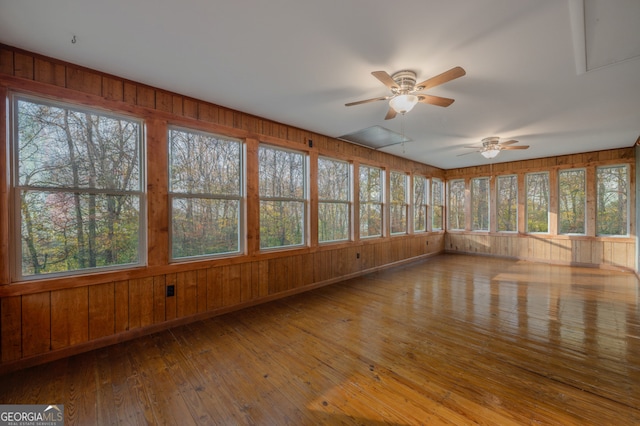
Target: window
(437, 202)
(78, 188)
(205, 189)
(507, 204)
(420, 197)
(538, 202)
(334, 200)
(480, 204)
(456, 204)
(399, 206)
(371, 196)
(572, 201)
(612, 204)
(283, 194)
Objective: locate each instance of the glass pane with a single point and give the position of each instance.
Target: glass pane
(480, 204)
(281, 173)
(370, 184)
(398, 187)
(436, 204)
(507, 214)
(572, 200)
(370, 220)
(281, 223)
(204, 164)
(456, 204)
(333, 221)
(538, 202)
(436, 218)
(65, 231)
(398, 218)
(204, 226)
(59, 147)
(419, 218)
(333, 180)
(612, 207)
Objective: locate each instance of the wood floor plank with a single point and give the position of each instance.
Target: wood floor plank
(454, 339)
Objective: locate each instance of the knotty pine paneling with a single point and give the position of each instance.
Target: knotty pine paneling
(101, 310)
(69, 317)
(36, 324)
(11, 328)
(597, 252)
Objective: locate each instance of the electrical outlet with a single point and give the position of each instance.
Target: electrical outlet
(171, 290)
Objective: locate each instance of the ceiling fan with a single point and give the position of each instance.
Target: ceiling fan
(492, 146)
(404, 90)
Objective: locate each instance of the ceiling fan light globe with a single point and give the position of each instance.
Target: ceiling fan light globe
(490, 153)
(403, 103)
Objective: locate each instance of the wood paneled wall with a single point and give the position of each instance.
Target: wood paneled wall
(46, 319)
(585, 250)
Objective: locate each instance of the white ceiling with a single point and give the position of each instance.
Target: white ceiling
(299, 61)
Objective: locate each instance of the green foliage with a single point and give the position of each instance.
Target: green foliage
(572, 201)
(80, 185)
(538, 202)
(507, 204)
(480, 204)
(612, 196)
(456, 204)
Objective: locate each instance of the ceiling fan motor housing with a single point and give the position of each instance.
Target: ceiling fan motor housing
(406, 81)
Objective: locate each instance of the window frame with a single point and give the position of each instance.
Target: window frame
(458, 211)
(380, 201)
(526, 183)
(304, 200)
(240, 197)
(627, 196)
(487, 201)
(14, 155)
(348, 202)
(437, 182)
(584, 204)
(403, 204)
(424, 206)
(498, 198)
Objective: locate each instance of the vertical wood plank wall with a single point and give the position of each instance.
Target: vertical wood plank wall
(587, 250)
(46, 319)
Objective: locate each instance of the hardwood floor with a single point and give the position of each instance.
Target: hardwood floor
(451, 340)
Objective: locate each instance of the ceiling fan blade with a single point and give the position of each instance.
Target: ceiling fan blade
(390, 114)
(382, 98)
(509, 142)
(515, 147)
(386, 79)
(439, 79)
(435, 100)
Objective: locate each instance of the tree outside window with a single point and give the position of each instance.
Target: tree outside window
(420, 203)
(612, 200)
(507, 204)
(538, 202)
(456, 204)
(205, 188)
(480, 204)
(283, 195)
(437, 204)
(399, 206)
(334, 200)
(371, 201)
(572, 201)
(79, 185)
